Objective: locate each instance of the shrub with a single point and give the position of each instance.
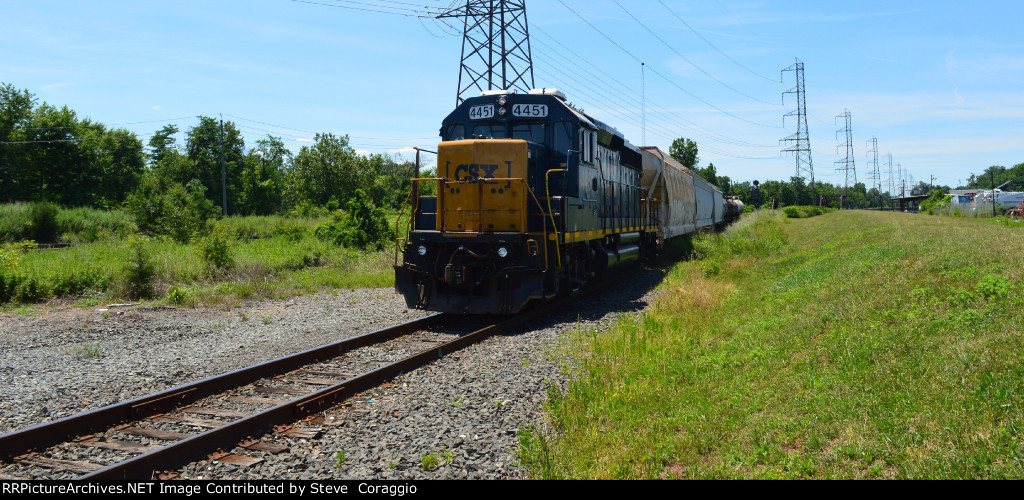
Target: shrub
(44, 222)
(139, 273)
(217, 252)
(362, 225)
(174, 211)
(177, 296)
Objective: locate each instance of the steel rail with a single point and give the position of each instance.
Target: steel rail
(228, 436)
(48, 434)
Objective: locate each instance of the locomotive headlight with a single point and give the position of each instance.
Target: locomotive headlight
(422, 250)
(501, 111)
(502, 100)
(502, 252)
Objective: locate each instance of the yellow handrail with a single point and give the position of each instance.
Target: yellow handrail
(440, 205)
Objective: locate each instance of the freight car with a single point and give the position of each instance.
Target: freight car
(535, 198)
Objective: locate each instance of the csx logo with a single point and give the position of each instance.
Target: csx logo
(475, 171)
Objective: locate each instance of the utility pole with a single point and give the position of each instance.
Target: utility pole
(223, 169)
(848, 165)
(495, 47)
(992, 176)
(801, 140)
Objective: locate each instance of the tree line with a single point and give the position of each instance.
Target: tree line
(50, 154)
(796, 191)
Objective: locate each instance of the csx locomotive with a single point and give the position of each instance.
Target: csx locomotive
(535, 198)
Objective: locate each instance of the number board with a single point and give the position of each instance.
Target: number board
(530, 110)
(481, 112)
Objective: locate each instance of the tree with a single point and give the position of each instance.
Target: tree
(324, 172)
(203, 149)
(262, 177)
(709, 173)
(15, 109)
(685, 152)
(121, 164)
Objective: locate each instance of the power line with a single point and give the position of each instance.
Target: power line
(709, 75)
(713, 45)
(656, 72)
(627, 90)
(359, 8)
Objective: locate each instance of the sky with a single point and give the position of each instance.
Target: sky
(940, 84)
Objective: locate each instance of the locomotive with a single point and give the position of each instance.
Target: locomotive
(535, 199)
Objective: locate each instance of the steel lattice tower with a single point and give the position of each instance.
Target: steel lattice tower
(848, 165)
(891, 184)
(801, 140)
(873, 173)
(495, 46)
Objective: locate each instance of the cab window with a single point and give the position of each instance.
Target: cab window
(563, 139)
(530, 132)
(455, 132)
(490, 132)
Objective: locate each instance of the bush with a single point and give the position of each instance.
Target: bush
(217, 252)
(44, 222)
(362, 225)
(174, 211)
(803, 212)
(139, 273)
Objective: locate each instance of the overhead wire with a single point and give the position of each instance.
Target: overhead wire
(673, 49)
(656, 72)
(713, 45)
(627, 90)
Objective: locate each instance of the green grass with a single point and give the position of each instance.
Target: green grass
(851, 345)
(264, 257)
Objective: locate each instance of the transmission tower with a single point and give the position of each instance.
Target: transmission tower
(495, 47)
(848, 165)
(801, 140)
(891, 182)
(873, 173)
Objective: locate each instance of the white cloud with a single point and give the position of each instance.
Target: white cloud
(362, 152)
(403, 151)
(156, 108)
(55, 86)
(303, 139)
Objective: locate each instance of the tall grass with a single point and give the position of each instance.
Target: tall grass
(869, 345)
(243, 258)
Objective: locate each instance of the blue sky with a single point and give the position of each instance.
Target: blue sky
(938, 83)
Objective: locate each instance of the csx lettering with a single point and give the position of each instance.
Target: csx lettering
(474, 171)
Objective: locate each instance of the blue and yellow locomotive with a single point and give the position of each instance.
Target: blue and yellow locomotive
(534, 199)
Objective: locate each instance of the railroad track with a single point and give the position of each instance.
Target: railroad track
(235, 417)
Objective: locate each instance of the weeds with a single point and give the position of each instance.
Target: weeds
(91, 350)
(429, 461)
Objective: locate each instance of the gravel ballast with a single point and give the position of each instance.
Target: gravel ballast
(463, 410)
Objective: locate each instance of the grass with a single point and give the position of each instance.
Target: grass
(248, 258)
(851, 345)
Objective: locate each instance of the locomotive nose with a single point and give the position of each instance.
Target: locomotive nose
(484, 188)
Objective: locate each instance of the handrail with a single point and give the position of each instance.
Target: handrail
(440, 214)
(547, 186)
